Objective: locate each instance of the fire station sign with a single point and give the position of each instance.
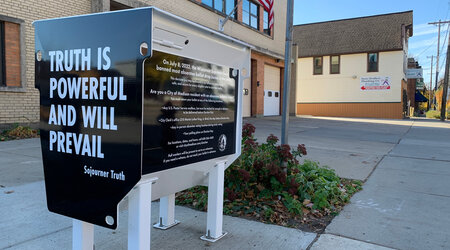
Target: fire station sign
(414, 73)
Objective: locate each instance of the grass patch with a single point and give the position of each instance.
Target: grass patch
(18, 132)
(268, 183)
(433, 114)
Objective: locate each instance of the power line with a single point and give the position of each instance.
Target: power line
(445, 38)
(433, 43)
(438, 47)
(423, 51)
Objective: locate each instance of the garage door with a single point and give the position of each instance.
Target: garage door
(271, 90)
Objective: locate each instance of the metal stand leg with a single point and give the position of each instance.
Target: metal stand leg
(82, 235)
(139, 218)
(166, 213)
(214, 219)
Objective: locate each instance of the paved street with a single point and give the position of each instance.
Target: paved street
(404, 203)
(353, 147)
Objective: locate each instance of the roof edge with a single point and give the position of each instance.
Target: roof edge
(353, 18)
(352, 53)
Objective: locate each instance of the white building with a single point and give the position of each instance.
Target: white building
(353, 67)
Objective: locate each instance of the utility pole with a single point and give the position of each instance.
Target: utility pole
(287, 72)
(431, 82)
(445, 89)
(438, 45)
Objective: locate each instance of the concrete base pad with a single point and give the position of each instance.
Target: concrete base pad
(209, 239)
(163, 227)
(27, 224)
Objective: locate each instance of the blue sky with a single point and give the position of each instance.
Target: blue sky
(424, 40)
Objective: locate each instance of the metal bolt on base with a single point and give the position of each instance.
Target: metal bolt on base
(208, 238)
(161, 226)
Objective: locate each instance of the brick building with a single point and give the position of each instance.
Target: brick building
(413, 89)
(19, 100)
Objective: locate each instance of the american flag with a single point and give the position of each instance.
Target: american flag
(268, 6)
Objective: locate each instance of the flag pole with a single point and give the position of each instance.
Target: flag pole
(223, 21)
(287, 72)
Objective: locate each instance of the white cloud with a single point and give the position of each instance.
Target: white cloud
(421, 43)
(432, 30)
(426, 29)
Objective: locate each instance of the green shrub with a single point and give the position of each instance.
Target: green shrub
(266, 170)
(268, 179)
(433, 114)
(18, 132)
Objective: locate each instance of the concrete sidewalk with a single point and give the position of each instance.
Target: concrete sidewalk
(405, 202)
(25, 222)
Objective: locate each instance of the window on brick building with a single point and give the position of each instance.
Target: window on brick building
(2, 56)
(113, 6)
(10, 64)
(229, 6)
(250, 13)
(266, 23)
(224, 6)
